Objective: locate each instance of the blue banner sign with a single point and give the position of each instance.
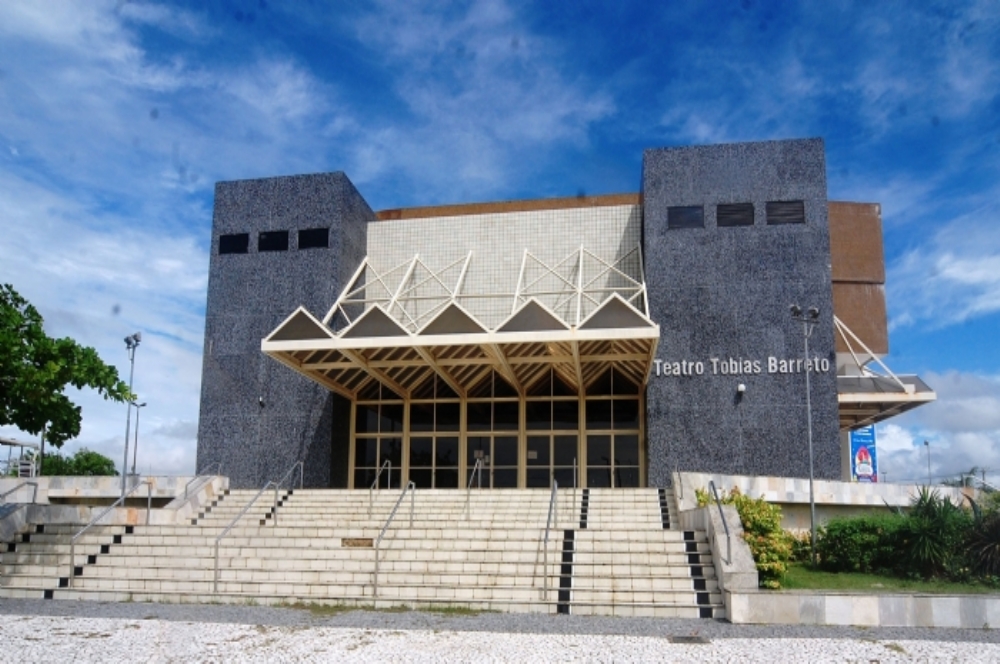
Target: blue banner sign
(864, 460)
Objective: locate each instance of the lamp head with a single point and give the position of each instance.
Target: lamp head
(741, 388)
(813, 313)
(796, 310)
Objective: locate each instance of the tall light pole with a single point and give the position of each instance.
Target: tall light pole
(135, 448)
(928, 446)
(809, 320)
(131, 343)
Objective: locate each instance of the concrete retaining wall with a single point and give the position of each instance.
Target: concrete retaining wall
(837, 608)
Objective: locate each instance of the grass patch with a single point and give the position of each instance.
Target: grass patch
(801, 577)
(319, 609)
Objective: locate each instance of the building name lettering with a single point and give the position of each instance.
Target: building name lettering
(738, 366)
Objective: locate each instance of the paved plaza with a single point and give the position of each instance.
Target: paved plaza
(37, 631)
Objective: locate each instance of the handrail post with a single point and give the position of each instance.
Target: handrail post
(410, 486)
(729, 541)
(149, 499)
(545, 542)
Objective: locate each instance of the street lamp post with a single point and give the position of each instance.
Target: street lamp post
(928, 446)
(809, 320)
(135, 447)
(131, 343)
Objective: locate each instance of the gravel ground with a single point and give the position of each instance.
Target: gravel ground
(59, 631)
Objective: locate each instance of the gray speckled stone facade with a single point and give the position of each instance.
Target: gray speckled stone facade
(248, 296)
(725, 293)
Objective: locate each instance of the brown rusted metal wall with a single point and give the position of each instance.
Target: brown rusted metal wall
(858, 265)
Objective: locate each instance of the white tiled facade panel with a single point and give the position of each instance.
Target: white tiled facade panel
(498, 242)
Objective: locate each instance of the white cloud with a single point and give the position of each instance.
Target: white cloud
(951, 277)
(962, 427)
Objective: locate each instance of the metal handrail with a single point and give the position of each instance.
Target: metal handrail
(72, 542)
(553, 503)
(371, 489)
(34, 494)
(274, 511)
(202, 474)
(409, 485)
(729, 541)
(478, 468)
(232, 524)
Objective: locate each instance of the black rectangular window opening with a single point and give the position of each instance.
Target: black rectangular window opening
(734, 214)
(786, 212)
(236, 243)
(273, 241)
(688, 216)
(314, 238)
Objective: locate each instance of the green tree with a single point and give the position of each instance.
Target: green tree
(35, 369)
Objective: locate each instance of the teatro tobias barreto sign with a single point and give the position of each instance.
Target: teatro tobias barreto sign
(738, 366)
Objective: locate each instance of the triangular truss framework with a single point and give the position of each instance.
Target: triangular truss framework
(403, 326)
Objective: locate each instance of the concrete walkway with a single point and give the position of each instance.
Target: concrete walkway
(35, 631)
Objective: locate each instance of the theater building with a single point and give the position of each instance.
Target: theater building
(600, 341)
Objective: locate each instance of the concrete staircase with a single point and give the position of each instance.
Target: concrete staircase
(613, 552)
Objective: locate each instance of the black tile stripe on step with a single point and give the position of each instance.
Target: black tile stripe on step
(584, 508)
(664, 510)
(566, 572)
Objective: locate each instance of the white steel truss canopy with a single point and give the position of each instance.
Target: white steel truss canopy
(409, 324)
(868, 396)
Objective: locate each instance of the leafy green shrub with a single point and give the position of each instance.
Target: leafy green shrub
(866, 543)
(770, 545)
(982, 547)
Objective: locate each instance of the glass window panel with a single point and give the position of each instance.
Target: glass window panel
(236, 243)
(478, 416)
(366, 419)
(539, 415)
(542, 387)
(598, 450)
(444, 390)
(598, 477)
(422, 417)
(396, 475)
(446, 478)
(370, 392)
(626, 450)
(564, 451)
(314, 238)
(560, 388)
(505, 479)
(505, 415)
(447, 452)
(363, 478)
(566, 415)
(627, 477)
(366, 452)
(623, 385)
(538, 451)
(687, 216)
(601, 386)
(483, 389)
(272, 241)
(501, 388)
(598, 414)
(391, 449)
(422, 477)
(448, 416)
(537, 477)
(421, 451)
(505, 451)
(565, 477)
(391, 417)
(626, 413)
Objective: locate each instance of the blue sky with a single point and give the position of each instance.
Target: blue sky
(117, 118)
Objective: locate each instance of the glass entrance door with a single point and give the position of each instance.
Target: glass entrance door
(500, 460)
